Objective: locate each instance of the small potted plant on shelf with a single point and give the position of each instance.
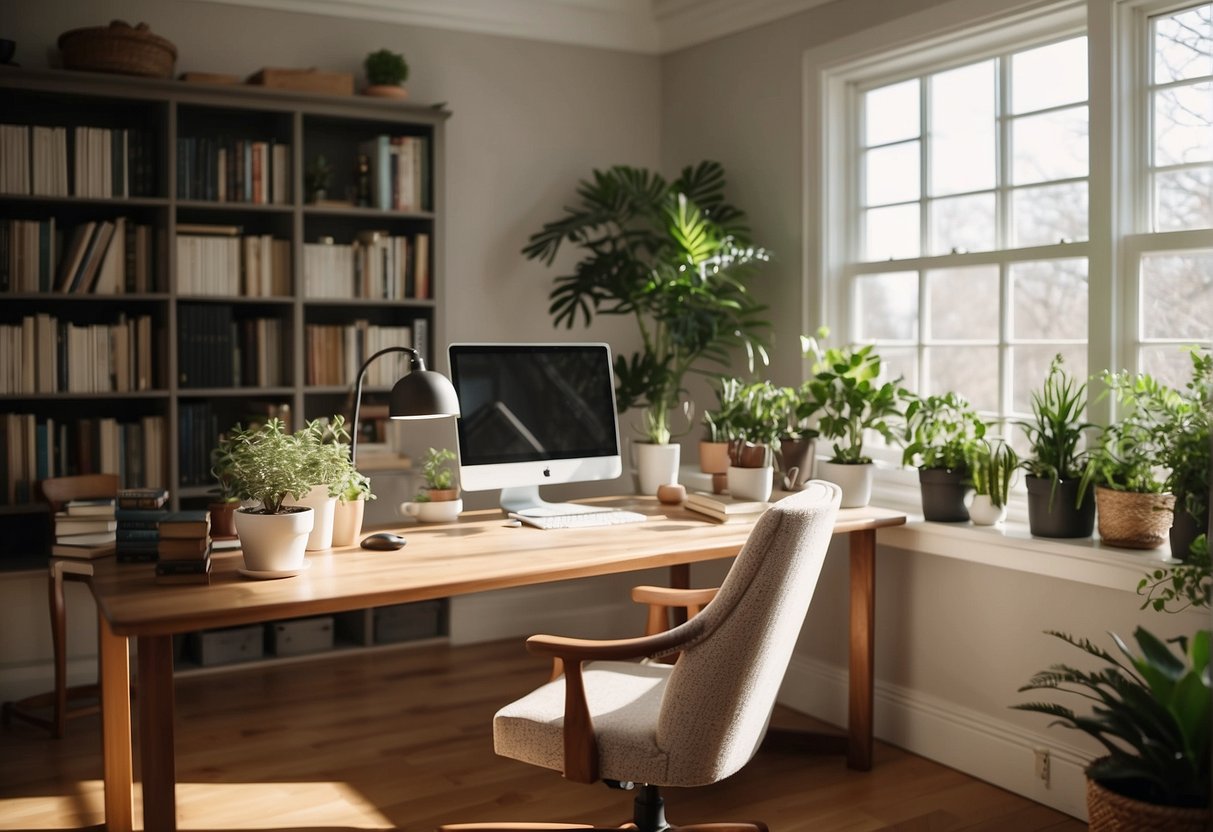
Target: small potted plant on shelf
(266, 465)
(991, 467)
(719, 428)
(1133, 509)
(940, 432)
(676, 257)
(851, 400)
(353, 493)
(327, 444)
(1056, 459)
(438, 501)
(386, 72)
(1184, 452)
(758, 424)
(223, 509)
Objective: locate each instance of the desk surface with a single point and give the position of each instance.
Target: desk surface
(474, 554)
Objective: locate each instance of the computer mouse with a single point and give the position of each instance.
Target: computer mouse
(384, 541)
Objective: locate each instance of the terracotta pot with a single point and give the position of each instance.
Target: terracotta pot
(744, 454)
(385, 91)
(713, 457)
(223, 519)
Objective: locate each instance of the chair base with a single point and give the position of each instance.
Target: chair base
(31, 709)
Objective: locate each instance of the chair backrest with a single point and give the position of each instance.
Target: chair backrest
(721, 692)
(58, 490)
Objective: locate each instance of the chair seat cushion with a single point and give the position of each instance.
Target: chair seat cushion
(624, 700)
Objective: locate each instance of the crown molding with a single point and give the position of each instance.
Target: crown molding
(645, 26)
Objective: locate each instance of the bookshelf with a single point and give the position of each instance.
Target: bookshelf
(166, 269)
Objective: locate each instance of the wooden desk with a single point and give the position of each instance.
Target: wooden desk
(475, 554)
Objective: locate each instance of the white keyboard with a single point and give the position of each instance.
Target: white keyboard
(582, 519)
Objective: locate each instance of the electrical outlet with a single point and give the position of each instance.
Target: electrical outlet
(1042, 765)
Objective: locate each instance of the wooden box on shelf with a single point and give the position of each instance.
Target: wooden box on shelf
(304, 80)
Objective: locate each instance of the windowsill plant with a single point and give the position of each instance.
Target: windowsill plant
(941, 431)
(991, 465)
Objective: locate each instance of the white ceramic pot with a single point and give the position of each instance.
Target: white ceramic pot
(439, 511)
(274, 542)
(347, 521)
(854, 480)
(656, 465)
(751, 483)
(983, 512)
(322, 532)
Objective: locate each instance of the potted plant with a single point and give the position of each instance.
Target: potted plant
(265, 465)
(386, 72)
(851, 399)
(1184, 452)
(1188, 584)
(1134, 510)
(326, 442)
(797, 451)
(439, 500)
(353, 493)
(317, 178)
(719, 428)
(223, 509)
(1056, 461)
(758, 423)
(1152, 715)
(674, 256)
(940, 433)
(991, 467)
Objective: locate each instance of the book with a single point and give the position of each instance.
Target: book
(65, 524)
(139, 518)
(125, 533)
(89, 508)
(721, 517)
(100, 550)
(724, 504)
(183, 548)
(189, 566)
(224, 544)
(142, 498)
(196, 523)
(90, 539)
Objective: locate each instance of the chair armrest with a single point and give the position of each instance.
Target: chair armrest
(580, 746)
(662, 598)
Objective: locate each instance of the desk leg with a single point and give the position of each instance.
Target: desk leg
(863, 621)
(115, 664)
(156, 764)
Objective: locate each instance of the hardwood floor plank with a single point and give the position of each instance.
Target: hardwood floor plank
(403, 740)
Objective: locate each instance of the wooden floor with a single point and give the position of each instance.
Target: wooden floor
(401, 740)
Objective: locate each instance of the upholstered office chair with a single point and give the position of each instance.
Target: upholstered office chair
(33, 709)
(699, 720)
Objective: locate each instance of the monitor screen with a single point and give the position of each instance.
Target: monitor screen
(534, 414)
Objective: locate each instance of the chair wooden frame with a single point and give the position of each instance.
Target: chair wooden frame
(57, 491)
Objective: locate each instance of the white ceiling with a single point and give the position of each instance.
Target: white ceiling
(648, 26)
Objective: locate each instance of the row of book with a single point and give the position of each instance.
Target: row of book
(376, 266)
(46, 355)
(218, 260)
(214, 349)
(108, 257)
(105, 162)
(335, 353)
(34, 448)
(724, 508)
(399, 171)
(199, 428)
(234, 170)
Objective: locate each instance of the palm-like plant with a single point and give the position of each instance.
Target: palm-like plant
(1055, 432)
(675, 256)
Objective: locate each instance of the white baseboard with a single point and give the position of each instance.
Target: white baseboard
(990, 749)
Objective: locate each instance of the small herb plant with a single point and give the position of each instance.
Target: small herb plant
(1056, 430)
(437, 472)
(386, 67)
(266, 464)
(850, 399)
(327, 444)
(720, 423)
(941, 430)
(354, 486)
(221, 470)
(759, 419)
(992, 467)
(1189, 584)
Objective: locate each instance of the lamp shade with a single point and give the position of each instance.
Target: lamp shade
(423, 394)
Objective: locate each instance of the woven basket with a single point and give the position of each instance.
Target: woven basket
(1133, 520)
(118, 48)
(1108, 811)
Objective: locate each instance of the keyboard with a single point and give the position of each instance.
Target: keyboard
(582, 519)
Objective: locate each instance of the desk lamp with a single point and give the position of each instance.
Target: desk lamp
(421, 394)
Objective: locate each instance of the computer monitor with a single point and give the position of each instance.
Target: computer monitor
(532, 415)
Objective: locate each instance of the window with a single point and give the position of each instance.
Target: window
(959, 234)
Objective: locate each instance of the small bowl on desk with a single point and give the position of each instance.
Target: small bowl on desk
(433, 511)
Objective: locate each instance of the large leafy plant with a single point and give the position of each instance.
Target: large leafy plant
(673, 255)
(1150, 712)
(1184, 440)
(1130, 449)
(940, 431)
(850, 399)
(1055, 434)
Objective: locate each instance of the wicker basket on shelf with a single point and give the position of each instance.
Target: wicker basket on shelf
(1133, 520)
(120, 48)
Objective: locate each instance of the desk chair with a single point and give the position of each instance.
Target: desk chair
(699, 720)
(57, 491)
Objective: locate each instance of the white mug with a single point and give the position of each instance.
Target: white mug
(442, 511)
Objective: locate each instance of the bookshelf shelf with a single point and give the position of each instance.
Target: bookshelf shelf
(152, 164)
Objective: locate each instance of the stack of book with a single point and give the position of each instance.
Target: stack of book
(85, 528)
(724, 508)
(139, 513)
(185, 548)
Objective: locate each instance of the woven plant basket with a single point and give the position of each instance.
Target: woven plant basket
(1108, 811)
(1134, 520)
(120, 48)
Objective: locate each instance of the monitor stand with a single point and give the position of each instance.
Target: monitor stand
(524, 500)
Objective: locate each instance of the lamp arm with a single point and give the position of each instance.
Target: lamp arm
(418, 364)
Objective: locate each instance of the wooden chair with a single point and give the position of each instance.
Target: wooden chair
(33, 709)
(698, 721)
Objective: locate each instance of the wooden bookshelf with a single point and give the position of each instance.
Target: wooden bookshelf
(187, 347)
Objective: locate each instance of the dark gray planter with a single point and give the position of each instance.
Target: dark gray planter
(1054, 514)
(1184, 529)
(943, 495)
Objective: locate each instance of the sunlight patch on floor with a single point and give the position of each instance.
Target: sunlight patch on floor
(242, 806)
